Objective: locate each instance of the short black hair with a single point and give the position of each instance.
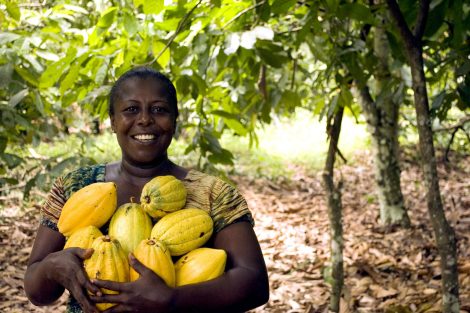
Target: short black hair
(144, 73)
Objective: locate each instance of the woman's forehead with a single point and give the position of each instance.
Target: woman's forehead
(148, 83)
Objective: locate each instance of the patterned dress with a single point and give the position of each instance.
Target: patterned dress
(221, 200)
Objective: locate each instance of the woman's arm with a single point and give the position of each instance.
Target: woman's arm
(51, 269)
(243, 286)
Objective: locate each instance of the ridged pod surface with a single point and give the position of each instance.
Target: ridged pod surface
(200, 265)
(92, 205)
(162, 195)
(108, 262)
(183, 230)
(156, 256)
(83, 237)
(130, 225)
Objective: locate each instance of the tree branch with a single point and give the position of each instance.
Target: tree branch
(177, 31)
(408, 37)
(422, 19)
(459, 124)
(242, 12)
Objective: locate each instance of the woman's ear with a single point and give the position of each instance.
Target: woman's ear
(112, 123)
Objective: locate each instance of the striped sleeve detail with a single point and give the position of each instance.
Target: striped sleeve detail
(50, 210)
(222, 201)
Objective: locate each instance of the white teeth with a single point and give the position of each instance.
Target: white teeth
(144, 137)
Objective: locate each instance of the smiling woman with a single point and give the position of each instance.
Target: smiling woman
(143, 112)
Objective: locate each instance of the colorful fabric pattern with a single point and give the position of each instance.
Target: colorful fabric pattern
(221, 200)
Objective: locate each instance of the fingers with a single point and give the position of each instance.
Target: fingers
(79, 295)
(137, 266)
(81, 253)
(108, 284)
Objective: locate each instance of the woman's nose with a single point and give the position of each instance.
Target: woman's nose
(145, 118)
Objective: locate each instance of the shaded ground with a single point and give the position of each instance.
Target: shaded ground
(384, 272)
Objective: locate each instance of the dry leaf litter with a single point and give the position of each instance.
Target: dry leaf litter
(386, 270)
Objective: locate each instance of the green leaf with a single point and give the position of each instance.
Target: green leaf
(39, 103)
(264, 11)
(107, 18)
(130, 24)
(27, 76)
(223, 157)
(54, 71)
(273, 55)
(8, 37)
(157, 48)
(236, 126)
(18, 97)
(70, 78)
(282, 6)
(153, 6)
(463, 69)
(356, 12)
(13, 10)
(11, 160)
(3, 144)
(437, 102)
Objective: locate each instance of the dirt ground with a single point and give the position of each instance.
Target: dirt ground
(395, 271)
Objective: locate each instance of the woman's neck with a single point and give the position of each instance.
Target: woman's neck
(136, 174)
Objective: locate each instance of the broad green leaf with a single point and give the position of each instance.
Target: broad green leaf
(8, 37)
(264, 11)
(437, 102)
(3, 143)
(356, 12)
(101, 72)
(55, 70)
(39, 103)
(130, 23)
(223, 157)
(153, 6)
(236, 126)
(18, 97)
(164, 58)
(13, 10)
(464, 69)
(11, 160)
(107, 18)
(282, 6)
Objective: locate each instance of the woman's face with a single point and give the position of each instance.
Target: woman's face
(143, 120)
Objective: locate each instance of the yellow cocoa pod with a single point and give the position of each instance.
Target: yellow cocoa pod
(200, 265)
(92, 205)
(154, 255)
(83, 237)
(183, 230)
(108, 262)
(130, 225)
(162, 195)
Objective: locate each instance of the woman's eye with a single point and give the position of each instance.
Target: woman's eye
(158, 110)
(131, 109)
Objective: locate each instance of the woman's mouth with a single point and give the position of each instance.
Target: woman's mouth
(144, 137)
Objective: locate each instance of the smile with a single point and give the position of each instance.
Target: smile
(144, 137)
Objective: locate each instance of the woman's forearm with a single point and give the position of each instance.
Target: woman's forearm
(39, 288)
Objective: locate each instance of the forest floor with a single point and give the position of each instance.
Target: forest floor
(385, 270)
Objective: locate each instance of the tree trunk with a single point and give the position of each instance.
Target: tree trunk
(333, 197)
(382, 122)
(443, 232)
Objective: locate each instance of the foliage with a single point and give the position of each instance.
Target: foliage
(235, 63)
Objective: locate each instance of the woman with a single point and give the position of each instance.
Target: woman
(143, 111)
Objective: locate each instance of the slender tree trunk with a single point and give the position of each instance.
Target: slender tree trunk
(443, 232)
(333, 197)
(382, 121)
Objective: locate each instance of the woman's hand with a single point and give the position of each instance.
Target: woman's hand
(66, 268)
(149, 293)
